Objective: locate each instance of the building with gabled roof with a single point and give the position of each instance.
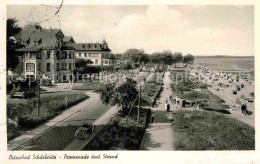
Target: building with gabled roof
(46, 52)
(98, 53)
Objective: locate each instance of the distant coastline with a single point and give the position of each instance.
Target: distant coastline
(224, 56)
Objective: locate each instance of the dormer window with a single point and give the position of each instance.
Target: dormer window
(26, 42)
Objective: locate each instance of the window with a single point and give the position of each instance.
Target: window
(58, 66)
(85, 54)
(38, 55)
(28, 42)
(48, 54)
(48, 67)
(96, 61)
(79, 54)
(58, 56)
(30, 66)
(64, 55)
(69, 54)
(59, 43)
(70, 66)
(39, 66)
(63, 66)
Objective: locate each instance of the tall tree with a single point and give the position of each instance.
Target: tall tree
(177, 57)
(81, 67)
(135, 55)
(121, 93)
(11, 55)
(188, 58)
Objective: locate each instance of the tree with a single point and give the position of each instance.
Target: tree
(177, 57)
(81, 67)
(106, 92)
(136, 55)
(122, 94)
(11, 54)
(167, 57)
(188, 58)
(127, 66)
(155, 58)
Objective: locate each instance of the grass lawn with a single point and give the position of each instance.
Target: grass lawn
(87, 86)
(121, 135)
(160, 116)
(48, 141)
(198, 130)
(52, 104)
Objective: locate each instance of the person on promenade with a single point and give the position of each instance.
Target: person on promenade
(152, 118)
(166, 105)
(198, 106)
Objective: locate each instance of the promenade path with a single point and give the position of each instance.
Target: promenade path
(159, 136)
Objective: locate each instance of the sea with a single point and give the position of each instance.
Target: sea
(226, 63)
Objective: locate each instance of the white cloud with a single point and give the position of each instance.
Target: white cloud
(156, 28)
(163, 28)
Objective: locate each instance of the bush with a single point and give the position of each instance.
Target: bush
(9, 88)
(12, 132)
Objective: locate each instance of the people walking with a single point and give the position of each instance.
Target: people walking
(152, 118)
(168, 107)
(198, 106)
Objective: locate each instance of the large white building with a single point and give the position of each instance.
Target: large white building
(98, 53)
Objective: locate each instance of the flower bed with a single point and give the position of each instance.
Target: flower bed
(152, 90)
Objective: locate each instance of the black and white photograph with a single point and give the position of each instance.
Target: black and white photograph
(144, 77)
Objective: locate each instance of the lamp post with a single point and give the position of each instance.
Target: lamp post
(38, 102)
(138, 114)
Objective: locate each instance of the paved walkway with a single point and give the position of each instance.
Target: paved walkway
(159, 136)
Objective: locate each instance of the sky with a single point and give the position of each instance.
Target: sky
(198, 30)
